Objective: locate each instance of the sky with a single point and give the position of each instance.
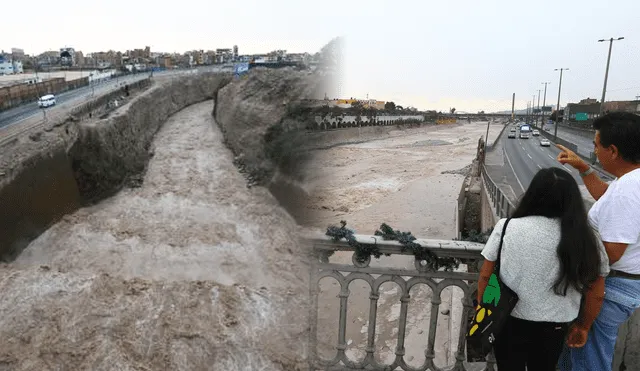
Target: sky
(471, 55)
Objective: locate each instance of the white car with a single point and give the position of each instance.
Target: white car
(47, 101)
(535, 133)
(545, 142)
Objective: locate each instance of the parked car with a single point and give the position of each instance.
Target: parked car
(47, 101)
(535, 133)
(545, 143)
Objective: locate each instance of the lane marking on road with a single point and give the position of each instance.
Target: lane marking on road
(523, 148)
(551, 157)
(512, 169)
(566, 168)
(529, 156)
(539, 167)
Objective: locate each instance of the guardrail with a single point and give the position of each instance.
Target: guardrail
(405, 279)
(502, 205)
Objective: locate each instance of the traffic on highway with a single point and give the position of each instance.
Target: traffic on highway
(23, 112)
(525, 155)
(27, 110)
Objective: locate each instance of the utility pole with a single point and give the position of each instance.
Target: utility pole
(513, 103)
(538, 113)
(555, 131)
(544, 103)
(533, 113)
(606, 74)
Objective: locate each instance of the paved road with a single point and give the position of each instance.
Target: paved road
(583, 139)
(77, 96)
(525, 157)
(17, 114)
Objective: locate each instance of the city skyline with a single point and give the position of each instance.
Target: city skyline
(472, 56)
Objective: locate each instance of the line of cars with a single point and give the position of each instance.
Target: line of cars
(525, 132)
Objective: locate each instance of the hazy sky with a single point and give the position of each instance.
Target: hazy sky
(471, 55)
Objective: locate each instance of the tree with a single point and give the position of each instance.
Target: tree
(390, 106)
(453, 110)
(554, 114)
(400, 108)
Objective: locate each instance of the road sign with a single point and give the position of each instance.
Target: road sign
(582, 116)
(546, 109)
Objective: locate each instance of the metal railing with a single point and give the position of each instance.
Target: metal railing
(501, 204)
(406, 279)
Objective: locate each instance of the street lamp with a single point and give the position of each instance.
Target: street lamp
(538, 113)
(533, 110)
(555, 131)
(606, 74)
(544, 103)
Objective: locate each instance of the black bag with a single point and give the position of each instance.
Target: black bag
(498, 300)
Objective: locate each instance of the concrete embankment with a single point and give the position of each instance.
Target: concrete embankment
(74, 163)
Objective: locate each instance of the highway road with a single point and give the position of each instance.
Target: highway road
(76, 96)
(583, 139)
(526, 157)
(80, 95)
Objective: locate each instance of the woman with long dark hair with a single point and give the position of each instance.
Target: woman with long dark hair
(551, 257)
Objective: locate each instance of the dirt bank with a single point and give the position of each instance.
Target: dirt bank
(254, 115)
(70, 163)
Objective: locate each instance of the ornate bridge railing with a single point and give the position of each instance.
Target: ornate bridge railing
(375, 275)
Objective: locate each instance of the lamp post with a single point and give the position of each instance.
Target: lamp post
(533, 109)
(555, 131)
(606, 73)
(544, 102)
(538, 113)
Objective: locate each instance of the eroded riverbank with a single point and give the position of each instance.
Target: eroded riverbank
(192, 261)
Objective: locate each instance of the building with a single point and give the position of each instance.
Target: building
(6, 66)
(587, 110)
(48, 59)
(224, 55)
(588, 101)
(366, 103)
(625, 106)
(235, 52)
(79, 56)
(17, 67)
(105, 59)
(67, 57)
(17, 54)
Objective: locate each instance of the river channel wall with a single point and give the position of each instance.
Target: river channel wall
(77, 163)
(80, 160)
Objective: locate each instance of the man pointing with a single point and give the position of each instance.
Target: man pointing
(616, 216)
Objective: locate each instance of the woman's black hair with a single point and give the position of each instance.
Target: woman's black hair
(554, 193)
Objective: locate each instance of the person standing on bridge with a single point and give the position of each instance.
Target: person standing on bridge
(551, 257)
(616, 215)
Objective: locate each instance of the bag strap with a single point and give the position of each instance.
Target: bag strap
(496, 269)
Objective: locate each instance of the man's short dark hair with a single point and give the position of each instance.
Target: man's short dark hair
(621, 129)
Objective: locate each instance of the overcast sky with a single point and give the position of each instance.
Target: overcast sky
(471, 55)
